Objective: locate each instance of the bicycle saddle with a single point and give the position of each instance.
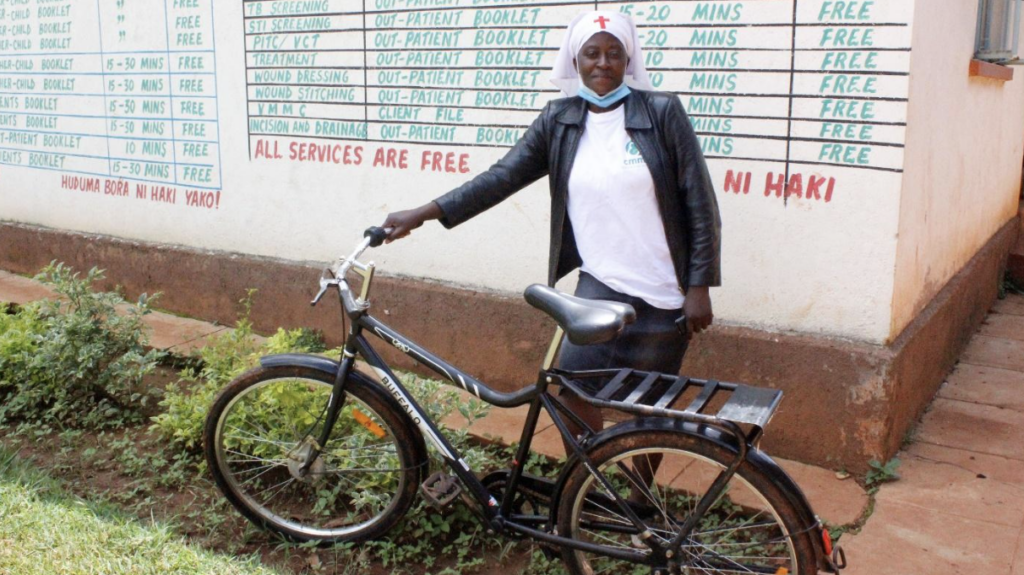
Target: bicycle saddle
(585, 321)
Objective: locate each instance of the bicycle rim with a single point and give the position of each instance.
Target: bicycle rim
(742, 532)
(266, 433)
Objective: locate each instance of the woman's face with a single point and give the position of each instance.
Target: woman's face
(602, 63)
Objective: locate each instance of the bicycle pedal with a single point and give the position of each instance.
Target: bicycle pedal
(440, 489)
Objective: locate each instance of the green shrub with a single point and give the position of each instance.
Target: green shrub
(19, 332)
(224, 357)
(78, 360)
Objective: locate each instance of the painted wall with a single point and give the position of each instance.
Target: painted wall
(283, 128)
(965, 143)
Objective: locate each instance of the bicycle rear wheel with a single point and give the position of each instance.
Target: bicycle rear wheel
(752, 528)
(263, 427)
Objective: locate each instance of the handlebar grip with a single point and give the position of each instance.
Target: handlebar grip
(376, 235)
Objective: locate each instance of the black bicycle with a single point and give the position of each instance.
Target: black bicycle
(314, 450)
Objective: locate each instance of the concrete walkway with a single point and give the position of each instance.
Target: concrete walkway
(958, 507)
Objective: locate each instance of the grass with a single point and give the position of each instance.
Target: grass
(45, 530)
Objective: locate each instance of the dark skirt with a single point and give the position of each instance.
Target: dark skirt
(651, 343)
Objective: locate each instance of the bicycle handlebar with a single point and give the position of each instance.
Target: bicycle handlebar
(376, 235)
(372, 237)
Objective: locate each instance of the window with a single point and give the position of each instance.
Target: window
(998, 30)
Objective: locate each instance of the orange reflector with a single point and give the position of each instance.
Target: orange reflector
(367, 423)
(826, 540)
(782, 571)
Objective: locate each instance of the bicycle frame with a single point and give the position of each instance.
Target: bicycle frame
(498, 514)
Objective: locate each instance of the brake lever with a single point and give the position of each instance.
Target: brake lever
(324, 284)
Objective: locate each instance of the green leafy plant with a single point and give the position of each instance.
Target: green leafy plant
(223, 358)
(77, 360)
(19, 333)
(309, 339)
(881, 473)
(542, 564)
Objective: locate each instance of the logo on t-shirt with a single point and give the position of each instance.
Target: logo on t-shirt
(633, 157)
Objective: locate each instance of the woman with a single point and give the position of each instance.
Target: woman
(632, 203)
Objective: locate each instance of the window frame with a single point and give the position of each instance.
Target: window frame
(1008, 37)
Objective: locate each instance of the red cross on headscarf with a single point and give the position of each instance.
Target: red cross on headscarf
(602, 21)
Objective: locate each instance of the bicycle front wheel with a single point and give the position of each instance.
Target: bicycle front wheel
(752, 528)
(260, 439)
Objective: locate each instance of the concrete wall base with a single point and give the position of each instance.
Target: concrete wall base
(845, 402)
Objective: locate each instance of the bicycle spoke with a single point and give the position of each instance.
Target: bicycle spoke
(256, 425)
(747, 557)
(252, 458)
(718, 570)
(364, 470)
(613, 541)
(258, 475)
(658, 488)
(316, 418)
(283, 483)
(753, 526)
(647, 493)
(621, 519)
(255, 469)
(730, 559)
(390, 447)
(611, 523)
(295, 432)
(380, 455)
(279, 490)
(258, 439)
(737, 529)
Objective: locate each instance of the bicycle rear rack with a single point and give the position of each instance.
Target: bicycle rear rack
(654, 394)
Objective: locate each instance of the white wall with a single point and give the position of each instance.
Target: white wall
(965, 143)
(790, 262)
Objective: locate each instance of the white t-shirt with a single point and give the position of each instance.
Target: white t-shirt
(615, 216)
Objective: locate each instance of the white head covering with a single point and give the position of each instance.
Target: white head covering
(582, 27)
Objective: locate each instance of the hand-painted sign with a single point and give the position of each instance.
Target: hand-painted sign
(778, 87)
(113, 91)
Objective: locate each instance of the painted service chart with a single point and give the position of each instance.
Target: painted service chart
(784, 89)
(111, 91)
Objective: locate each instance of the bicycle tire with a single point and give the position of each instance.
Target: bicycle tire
(245, 457)
(733, 525)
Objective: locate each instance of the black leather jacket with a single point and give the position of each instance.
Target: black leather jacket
(661, 131)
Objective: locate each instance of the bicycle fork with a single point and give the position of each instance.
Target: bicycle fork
(334, 405)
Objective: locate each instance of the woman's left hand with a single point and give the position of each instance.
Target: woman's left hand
(697, 308)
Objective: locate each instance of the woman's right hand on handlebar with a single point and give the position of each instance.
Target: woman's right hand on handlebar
(404, 222)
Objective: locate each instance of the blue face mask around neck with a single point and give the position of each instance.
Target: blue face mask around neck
(605, 101)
